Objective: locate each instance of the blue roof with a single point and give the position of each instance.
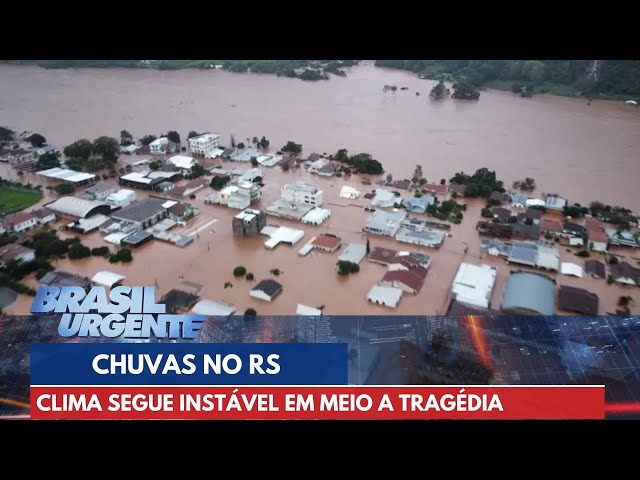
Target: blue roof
(418, 204)
(529, 292)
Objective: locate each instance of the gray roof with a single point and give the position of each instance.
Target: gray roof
(142, 209)
(354, 252)
(61, 279)
(269, 287)
(418, 203)
(78, 207)
(519, 198)
(384, 221)
(523, 253)
(99, 188)
(527, 292)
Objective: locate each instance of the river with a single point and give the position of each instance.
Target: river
(583, 152)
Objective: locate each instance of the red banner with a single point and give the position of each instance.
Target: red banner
(318, 403)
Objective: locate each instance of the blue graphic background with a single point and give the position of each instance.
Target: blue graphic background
(300, 364)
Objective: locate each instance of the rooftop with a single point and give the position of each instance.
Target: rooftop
(213, 308)
(66, 175)
(11, 251)
(268, 286)
(64, 279)
(301, 187)
(420, 236)
(387, 295)
(99, 188)
(435, 188)
(473, 284)
(308, 311)
(284, 234)
(142, 210)
(548, 225)
(406, 277)
(595, 268)
(533, 213)
(384, 221)
(527, 292)
(178, 300)
(625, 270)
(577, 300)
(182, 161)
(555, 202)
(78, 207)
(107, 279)
(354, 253)
(327, 241)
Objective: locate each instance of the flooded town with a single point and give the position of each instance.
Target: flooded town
(241, 194)
(314, 209)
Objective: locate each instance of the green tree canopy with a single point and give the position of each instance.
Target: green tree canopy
(79, 149)
(49, 160)
(37, 140)
(107, 148)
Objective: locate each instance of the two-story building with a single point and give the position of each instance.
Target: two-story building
(302, 192)
(205, 145)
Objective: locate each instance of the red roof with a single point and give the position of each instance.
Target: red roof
(331, 167)
(435, 188)
(406, 277)
(15, 218)
(382, 255)
(547, 225)
(327, 241)
(11, 251)
(180, 189)
(595, 230)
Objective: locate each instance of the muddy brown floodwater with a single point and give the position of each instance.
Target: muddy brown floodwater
(583, 152)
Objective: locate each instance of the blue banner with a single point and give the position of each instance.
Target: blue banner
(188, 364)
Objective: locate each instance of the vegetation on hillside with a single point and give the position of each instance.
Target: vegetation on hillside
(607, 78)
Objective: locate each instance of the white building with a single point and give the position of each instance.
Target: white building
(473, 285)
(122, 198)
(100, 191)
(302, 192)
(205, 145)
(183, 162)
(18, 222)
(349, 192)
(387, 296)
(158, 146)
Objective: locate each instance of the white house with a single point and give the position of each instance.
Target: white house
(266, 290)
(302, 192)
(158, 146)
(100, 191)
(205, 145)
(387, 296)
(16, 253)
(18, 222)
(473, 284)
(121, 198)
(182, 162)
(349, 192)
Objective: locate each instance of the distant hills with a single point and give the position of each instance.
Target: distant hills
(590, 78)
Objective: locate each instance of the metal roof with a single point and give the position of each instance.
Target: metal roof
(213, 308)
(473, 284)
(107, 279)
(529, 292)
(66, 175)
(78, 207)
(142, 210)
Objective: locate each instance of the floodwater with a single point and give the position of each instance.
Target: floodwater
(583, 152)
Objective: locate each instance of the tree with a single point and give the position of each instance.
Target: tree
(239, 271)
(173, 136)
(107, 148)
(368, 247)
(100, 252)
(389, 178)
(534, 70)
(486, 213)
(624, 301)
(417, 174)
(249, 276)
(197, 170)
(292, 147)
(192, 134)
(365, 163)
(285, 166)
(37, 140)
(264, 143)
(126, 138)
(77, 250)
(439, 91)
(254, 162)
(254, 140)
(154, 165)
(218, 183)
(65, 189)
(342, 156)
(49, 160)
(443, 181)
(464, 90)
(124, 255)
(6, 134)
(147, 139)
(241, 145)
(233, 141)
(250, 312)
(346, 267)
(79, 149)
(438, 343)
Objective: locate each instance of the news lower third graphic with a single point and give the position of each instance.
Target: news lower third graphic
(117, 354)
